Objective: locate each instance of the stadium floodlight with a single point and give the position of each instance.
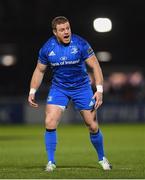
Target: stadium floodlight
(7, 60)
(104, 56)
(102, 25)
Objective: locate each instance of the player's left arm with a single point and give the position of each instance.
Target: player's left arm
(93, 63)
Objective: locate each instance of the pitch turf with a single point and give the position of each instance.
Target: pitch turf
(22, 152)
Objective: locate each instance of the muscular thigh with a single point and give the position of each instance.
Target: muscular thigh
(53, 115)
(90, 119)
(89, 115)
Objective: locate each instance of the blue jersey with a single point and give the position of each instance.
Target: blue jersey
(67, 61)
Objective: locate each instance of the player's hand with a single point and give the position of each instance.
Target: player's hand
(99, 99)
(31, 100)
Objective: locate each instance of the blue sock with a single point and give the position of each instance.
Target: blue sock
(50, 143)
(97, 141)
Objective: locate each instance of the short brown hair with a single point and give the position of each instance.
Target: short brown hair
(58, 20)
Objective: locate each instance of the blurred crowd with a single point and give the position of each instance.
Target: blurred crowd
(121, 86)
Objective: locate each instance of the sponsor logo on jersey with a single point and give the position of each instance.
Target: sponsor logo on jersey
(51, 54)
(65, 63)
(63, 58)
(90, 50)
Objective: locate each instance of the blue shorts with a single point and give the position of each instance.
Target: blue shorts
(81, 97)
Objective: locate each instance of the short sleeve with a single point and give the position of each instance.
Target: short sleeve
(87, 50)
(42, 57)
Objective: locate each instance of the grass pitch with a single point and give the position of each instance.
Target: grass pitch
(23, 156)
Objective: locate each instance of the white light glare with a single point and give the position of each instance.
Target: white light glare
(7, 60)
(102, 25)
(104, 56)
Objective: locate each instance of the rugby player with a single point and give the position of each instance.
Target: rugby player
(68, 54)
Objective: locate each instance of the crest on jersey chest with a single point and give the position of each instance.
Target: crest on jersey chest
(74, 50)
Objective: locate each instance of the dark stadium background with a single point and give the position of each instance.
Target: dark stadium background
(26, 25)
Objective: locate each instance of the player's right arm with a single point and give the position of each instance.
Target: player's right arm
(36, 80)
